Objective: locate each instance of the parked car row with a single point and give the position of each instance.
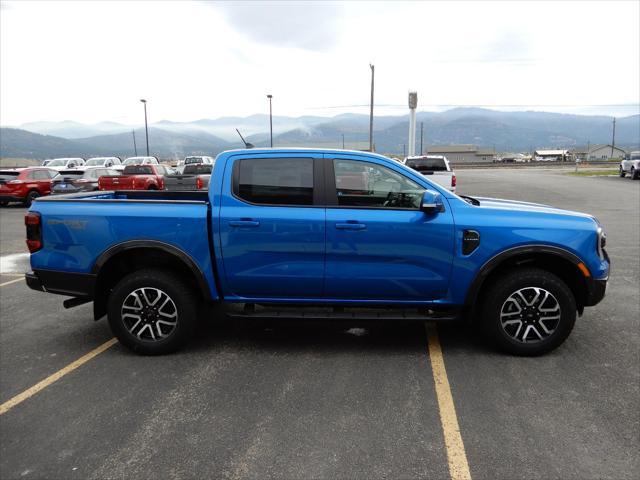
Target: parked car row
(73, 175)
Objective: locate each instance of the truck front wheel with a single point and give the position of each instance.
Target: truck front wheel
(529, 312)
(152, 312)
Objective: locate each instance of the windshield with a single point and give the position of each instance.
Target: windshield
(133, 161)
(57, 163)
(138, 170)
(198, 168)
(635, 156)
(69, 173)
(427, 164)
(189, 160)
(95, 162)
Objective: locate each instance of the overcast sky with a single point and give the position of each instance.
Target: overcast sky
(93, 61)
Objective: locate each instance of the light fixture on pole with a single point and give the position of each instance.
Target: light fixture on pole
(270, 120)
(146, 128)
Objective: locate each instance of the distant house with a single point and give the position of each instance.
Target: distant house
(552, 155)
(462, 153)
(598, 152)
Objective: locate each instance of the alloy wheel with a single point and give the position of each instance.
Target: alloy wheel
(530, 315)
(149, 314)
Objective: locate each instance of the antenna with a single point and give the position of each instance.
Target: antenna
(246, 145)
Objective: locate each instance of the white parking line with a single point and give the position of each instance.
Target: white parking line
(12, 281)
(456, 455)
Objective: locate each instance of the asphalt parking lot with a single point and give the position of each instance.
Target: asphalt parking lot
(330, 401)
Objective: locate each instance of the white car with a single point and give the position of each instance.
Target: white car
(108, 162)
(435, 168)
(631, 166)
(65, 163)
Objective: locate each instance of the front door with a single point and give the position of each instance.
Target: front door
(380, 246)
(272, 227)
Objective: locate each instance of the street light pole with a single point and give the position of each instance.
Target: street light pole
(135, 149)
(343, 141)
(146, 128)
(373, 71)
(270, 120)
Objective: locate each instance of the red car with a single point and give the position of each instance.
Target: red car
(25, 184)
(135, 177)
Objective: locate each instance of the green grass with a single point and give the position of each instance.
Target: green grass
(601, 172)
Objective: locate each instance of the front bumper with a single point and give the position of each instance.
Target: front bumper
(595, 291)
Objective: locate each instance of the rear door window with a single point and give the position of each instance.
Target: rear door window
(274, 181)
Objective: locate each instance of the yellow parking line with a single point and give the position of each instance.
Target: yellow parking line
(456, 456)
(12, 281)
(21, 397)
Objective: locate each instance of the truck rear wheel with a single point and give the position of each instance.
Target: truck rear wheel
(529, 312)
(152, 312)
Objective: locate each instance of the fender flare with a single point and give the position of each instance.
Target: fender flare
(157, 245)
(490, 265)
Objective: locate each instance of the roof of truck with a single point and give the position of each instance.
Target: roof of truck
(303, 150)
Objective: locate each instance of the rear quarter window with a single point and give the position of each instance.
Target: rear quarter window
(274, 181)
(427, 164)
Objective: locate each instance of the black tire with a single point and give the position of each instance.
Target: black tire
(634, 174)
(500, 298)
(185, 304)
(622, 174)
(31, 196)
(4, 204)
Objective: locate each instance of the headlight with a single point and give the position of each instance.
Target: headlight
(602, 242)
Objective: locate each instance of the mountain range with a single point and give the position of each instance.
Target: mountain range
(504, 131)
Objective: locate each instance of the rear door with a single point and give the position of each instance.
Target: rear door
(272, 226)
(380, 246)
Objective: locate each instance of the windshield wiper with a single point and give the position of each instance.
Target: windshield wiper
(470, 200)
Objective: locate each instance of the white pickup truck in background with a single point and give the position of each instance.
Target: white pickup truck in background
(631, 166)
(434, 167)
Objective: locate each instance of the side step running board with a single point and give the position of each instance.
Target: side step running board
(250, 311)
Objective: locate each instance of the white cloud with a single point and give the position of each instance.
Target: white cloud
(92, 61)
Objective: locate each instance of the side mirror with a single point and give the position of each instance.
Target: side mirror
(431, 202)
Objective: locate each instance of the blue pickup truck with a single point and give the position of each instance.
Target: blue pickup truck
(322, 234)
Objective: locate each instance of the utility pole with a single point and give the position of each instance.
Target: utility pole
(135, 149)
(146, 128)
(343, 141)
(270, 120)
(371, 111)
(421, 131)
(613, 139)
